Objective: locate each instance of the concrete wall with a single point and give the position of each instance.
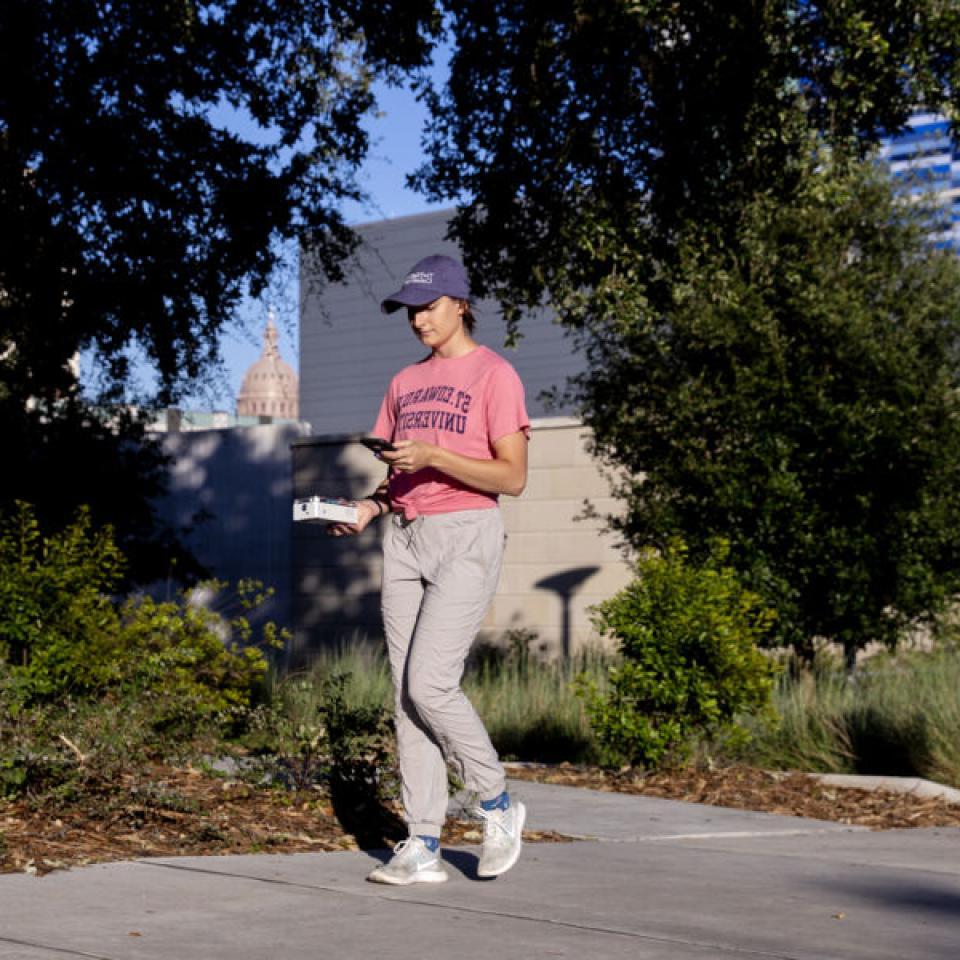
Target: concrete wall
(241, 480)
(555, 566)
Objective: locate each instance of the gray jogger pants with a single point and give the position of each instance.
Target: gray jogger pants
(439, 575)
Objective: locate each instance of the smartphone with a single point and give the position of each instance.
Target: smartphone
(377, 444)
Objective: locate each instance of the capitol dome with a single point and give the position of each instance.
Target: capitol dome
(270, 387)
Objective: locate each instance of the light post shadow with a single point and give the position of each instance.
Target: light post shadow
(565, 585)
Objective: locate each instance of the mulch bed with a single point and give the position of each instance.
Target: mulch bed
(746, 788)
(185, 812)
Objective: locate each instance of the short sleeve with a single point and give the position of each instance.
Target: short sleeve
(506, 405)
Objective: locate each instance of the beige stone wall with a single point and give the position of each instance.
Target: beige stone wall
(556, 565)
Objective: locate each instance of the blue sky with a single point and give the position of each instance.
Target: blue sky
(395, 152)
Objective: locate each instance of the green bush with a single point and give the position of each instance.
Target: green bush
(62, 633)
(688, 637)
(90, 684)
(58, 626)
(198, 665)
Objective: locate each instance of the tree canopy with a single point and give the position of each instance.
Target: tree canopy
(772, 341)
(799, 397)
(570, 129)
(132, 210)
(152, 157)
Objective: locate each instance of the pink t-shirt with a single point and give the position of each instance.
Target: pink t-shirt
(464, 404)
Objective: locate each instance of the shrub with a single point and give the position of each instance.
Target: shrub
(90, 684)
(895, 716)
(688, 636)
(187, 656)
(311, 733)
(67, 749)
(58, 625)
(63, 634)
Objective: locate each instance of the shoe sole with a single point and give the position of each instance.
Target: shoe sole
(432, 876)
(521, 820)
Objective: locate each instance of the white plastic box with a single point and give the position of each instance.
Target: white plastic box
(325, 509)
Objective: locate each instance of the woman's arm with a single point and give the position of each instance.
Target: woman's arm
(505, 473)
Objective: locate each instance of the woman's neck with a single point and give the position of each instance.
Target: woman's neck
(456, 347)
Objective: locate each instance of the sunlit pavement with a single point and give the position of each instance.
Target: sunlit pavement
(659, 879)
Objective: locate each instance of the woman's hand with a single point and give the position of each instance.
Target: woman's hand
(367, 511)
(505, 473)
(410, 456)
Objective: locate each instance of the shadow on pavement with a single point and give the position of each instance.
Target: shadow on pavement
(939, 896)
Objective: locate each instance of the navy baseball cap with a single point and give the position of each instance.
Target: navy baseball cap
(430, 278)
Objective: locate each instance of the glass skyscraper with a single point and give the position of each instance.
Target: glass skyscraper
(926, 156)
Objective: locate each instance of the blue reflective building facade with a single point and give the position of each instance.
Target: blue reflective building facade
(928, 159)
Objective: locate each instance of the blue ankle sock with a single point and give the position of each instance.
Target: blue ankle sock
(497, 803)
(431, 843)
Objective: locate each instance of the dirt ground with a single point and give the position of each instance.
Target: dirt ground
(746, 788)
(180, 812)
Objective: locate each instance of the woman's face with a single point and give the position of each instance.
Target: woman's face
(439, 324)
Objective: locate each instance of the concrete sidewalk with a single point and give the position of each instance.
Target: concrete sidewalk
(659, 879)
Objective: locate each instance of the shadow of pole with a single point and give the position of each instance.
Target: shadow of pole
(565, 585)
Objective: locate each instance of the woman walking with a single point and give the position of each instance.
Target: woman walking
(459, 428)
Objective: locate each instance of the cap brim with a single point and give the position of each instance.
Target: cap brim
(409, 297)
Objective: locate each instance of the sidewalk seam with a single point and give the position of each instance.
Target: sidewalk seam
(460, 908)
(52, 949)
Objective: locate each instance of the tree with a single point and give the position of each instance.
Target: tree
(130, 211)
(134, 216)
(798, 397)
(771, 343)
(571, 131)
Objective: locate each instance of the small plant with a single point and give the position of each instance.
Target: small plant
(91, 686)
(312, 734)
(688, 637)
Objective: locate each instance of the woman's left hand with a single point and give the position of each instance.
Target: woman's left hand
(410, 456)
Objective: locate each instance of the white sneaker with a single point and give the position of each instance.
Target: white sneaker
(502, 838)
(412, 862)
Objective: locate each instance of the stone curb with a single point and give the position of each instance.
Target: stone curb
(912, 785)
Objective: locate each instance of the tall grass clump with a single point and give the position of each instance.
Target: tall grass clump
(530, 707)
(897, 715)
(528, 704)
(365, 662)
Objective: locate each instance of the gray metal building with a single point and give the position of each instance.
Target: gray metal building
(349, 350)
